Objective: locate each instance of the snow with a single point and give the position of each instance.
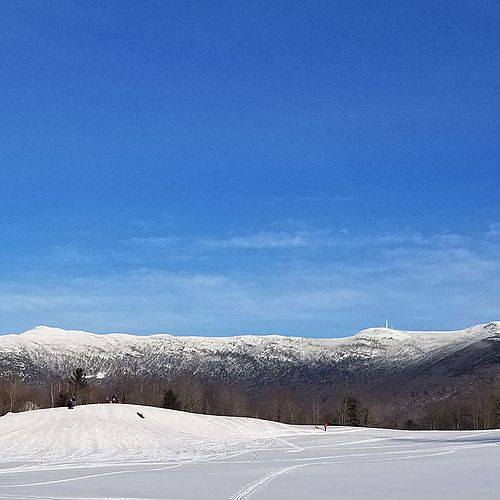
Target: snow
(114, 431)
(54, 350)
(108, 451)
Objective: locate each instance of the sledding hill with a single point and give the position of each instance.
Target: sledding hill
(115, 432)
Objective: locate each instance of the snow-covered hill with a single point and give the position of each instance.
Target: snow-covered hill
(115, 432)
(45, 352)
(107, 451)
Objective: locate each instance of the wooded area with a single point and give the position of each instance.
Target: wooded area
(471, 409)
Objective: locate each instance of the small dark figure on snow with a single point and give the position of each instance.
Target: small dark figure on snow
(114, 399)
(71, 403)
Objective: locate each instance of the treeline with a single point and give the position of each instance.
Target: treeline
(475, 409)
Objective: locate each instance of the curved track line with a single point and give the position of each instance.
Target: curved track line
(90, 476)
(251, 488)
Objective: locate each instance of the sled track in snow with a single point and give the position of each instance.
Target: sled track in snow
(249, 489)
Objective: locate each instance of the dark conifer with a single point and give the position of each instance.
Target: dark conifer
(170, 400)
(78, 382)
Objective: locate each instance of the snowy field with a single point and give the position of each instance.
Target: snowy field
(109, 451)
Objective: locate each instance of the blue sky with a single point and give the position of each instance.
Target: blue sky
(304, 168)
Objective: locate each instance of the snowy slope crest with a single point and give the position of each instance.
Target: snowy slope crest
(115, 432)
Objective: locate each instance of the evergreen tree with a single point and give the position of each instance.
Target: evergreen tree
(348, 412)
(61, 399)
(352, 411)
(78, 382)
(170, 400)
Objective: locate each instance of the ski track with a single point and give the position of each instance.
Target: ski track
(251, 488)
(91, 476)
(258, 484)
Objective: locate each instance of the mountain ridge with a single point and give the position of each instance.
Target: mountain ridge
(47, 352)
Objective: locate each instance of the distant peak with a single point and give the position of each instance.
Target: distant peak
(378, 330)
(43, 329)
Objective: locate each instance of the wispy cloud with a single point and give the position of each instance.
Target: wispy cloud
(493, 232)
(155, 241)
(437, 280)
(266, 239)
(305, 201)
(324, 238)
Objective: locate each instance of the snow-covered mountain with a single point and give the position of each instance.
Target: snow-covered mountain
(47, 352)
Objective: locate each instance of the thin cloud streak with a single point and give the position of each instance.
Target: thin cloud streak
(155, 241)
(453, 279)
(329, 238)
(266, 240)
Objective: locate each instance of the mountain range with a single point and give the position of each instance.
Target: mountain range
(403, 359)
